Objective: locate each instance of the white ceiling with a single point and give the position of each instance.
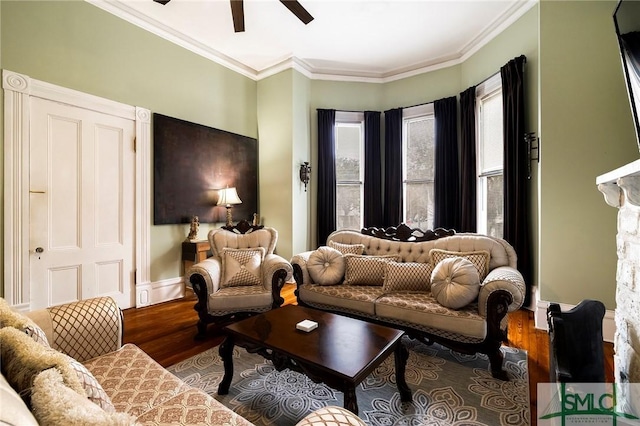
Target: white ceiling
(356, 40)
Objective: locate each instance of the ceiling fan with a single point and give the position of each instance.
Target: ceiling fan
(237, 12)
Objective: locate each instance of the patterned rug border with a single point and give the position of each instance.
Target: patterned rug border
(265, 396)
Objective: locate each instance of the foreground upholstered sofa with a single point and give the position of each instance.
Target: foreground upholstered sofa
(66, 365)
(351, 277)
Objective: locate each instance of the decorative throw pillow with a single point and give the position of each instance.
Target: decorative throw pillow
(23, 359)
(11, 318)
(366, 270)
(326, 266)
(92, 388)
(242, 266)
(455, 282)
(479, 258)
(410, 276)
(347, 248)
(54, 403)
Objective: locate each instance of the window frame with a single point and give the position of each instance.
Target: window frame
(352, 119)
(488, 89)
(413, 114)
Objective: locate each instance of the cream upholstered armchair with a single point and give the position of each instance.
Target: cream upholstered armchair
(243, 276)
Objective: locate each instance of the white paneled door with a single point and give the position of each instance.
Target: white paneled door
(82, 211)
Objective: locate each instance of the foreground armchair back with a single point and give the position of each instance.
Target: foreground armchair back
(576, 345)
(243, 276)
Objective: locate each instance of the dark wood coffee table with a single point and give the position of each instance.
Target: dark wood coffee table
(341, 352)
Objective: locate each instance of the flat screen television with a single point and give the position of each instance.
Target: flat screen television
(627, 21)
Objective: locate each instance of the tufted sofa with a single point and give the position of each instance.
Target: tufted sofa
(478, 326)
(66, 365)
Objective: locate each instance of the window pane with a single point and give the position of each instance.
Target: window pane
(420, 149)
(348, 206)
(419, 205)
(495, 201)
(492, 152)
(348, 149)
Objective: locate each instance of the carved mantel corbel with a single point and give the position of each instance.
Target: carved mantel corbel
(621, 185)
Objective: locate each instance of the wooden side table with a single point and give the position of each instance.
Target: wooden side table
(194, 252)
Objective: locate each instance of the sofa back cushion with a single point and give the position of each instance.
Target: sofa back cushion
(501, 253)
(221, 238)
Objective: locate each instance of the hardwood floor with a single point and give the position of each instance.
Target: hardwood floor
(166, 332)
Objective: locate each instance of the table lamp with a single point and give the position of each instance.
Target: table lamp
(228, 197)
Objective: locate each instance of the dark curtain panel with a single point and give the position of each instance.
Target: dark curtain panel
(468, 220)
(393, 167)
(372, 170)
(516, 195)
(447, 201)
(326, 213)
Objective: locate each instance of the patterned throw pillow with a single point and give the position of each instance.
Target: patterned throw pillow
(92, 388)
(54, 403)
(479, 258)
(242, 266)
(455, 282)
(409, 277)
(366, 270)
(326, 266)
(347, 248)
(11, 318)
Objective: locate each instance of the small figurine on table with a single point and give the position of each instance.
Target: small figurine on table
(193, 229)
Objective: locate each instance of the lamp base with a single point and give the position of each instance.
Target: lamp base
(229, 219)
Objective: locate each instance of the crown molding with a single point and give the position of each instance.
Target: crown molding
(121, 10)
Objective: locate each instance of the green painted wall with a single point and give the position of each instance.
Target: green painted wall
(422, 88)
(586, 130)
(275, 121)
(77, 45)
(301, 152)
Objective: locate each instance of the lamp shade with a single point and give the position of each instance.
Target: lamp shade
(228, 197)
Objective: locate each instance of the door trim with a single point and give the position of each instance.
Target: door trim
(18, 91)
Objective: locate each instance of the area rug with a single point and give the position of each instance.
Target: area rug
(448, 389)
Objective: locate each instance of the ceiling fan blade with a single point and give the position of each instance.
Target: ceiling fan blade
(162, 1)
(237, 12)
(296, 8)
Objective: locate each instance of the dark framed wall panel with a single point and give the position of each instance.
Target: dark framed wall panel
(191, 162)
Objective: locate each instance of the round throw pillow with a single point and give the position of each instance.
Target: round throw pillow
(455, 282)
(326, 266)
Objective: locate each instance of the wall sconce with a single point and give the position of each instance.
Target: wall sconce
(305, 174)
(228, 197)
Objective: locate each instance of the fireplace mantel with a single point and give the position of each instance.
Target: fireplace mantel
(621, 189)
(620, 184)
